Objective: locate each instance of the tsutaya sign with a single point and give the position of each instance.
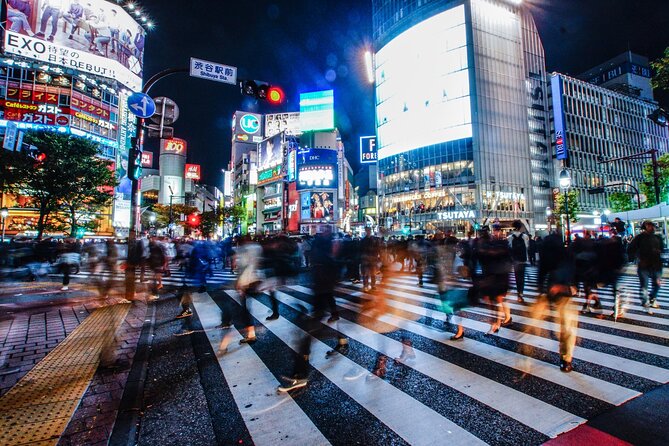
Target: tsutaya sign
(457, 215)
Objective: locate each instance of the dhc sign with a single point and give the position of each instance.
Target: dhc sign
(457, 215)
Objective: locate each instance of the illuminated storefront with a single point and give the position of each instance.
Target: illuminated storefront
(459, 145)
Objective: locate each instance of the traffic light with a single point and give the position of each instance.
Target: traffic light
(194, 220)
(263, 91)
(36, 154)
(135, 164)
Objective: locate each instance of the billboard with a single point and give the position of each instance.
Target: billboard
(174, 146)
(317, 176)
(288, 123)
(321, 205)
(292, 165)
(247, 127)
(92, 36)
(305, 206)
(270, 152)
(39, 98)
(306, 155)
(269, 175)
(317, 111)
(368, 153)
(561, 149)
(192, 172)
(147, 159)
(422, 85)
(293, 208)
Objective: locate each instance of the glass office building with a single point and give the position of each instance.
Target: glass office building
(599, 124)
(462, 115)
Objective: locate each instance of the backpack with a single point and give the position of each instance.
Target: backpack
(518, 248)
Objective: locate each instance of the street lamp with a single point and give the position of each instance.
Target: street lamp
(565, 183)
(4, 212)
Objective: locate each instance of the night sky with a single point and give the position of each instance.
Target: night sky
(308, 45)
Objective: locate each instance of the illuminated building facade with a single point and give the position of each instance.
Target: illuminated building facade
(57, 80)
(462, 115)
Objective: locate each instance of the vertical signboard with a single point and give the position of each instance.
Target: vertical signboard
(561, 149)
(368, 154)
(121, 216)
(293, 208)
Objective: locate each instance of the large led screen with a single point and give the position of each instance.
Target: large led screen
(91, 36)
(270, 152)
(317, 111)
(422, 85)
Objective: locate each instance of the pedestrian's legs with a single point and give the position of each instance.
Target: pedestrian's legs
(519, 273)
(644, 275)
(568, 324)
(246, 319)
(275, 305)
(130, 275)
(67, 269)
(365, 275)
(419, 272)
(655, 286)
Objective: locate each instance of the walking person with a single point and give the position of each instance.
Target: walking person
(68, 260)
(249, 256)
(647, 249)
(369, 258)
(611, 258)
(494, 255)
(156, 261)
(519, 243)
(585, 258)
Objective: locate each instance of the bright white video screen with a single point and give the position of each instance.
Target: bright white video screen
(422, 86)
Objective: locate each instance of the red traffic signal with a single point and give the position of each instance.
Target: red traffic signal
(275, 95)
(194, 220)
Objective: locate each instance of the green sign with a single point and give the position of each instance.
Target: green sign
(268, 175)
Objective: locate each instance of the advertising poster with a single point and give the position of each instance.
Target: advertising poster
(288, 123)
(307, 155)
(93, 36)
(317, 111)
(437, 179)
(317, 176)
(293, 208)
(192, 172)
(175, 146)
(368, 154)
(247, 127)
(322, 205)
(270, 152)
(305, 206)
(174, 183)
(147, 159)
(121, 208)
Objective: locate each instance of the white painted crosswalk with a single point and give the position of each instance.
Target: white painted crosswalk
(176, 277)
(499, 389)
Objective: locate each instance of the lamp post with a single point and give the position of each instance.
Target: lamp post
(549, 215)
(4, 212)
(565, 183)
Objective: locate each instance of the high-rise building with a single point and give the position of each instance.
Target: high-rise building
(462, 114)
(592, 125)
(628, 73)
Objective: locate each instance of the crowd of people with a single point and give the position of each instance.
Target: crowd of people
(477, 271)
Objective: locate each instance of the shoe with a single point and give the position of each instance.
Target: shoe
(185, 313)
(654, 304)
(492, 331)
(224, 325)
(648, 308)
(248, 340)
(124, 301)
(458, 338)
(333, 318)
(598, 305)
(565, 366)
(507, 322)
(65, 288)
(50, 39)
(586, 309)
(339, 349)
(420, 284)
(39, 34)
(293, 384)
(272, 317)
(152, 298)
(520, 299)
(159, 287)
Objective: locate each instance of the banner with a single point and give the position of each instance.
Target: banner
(95, 36)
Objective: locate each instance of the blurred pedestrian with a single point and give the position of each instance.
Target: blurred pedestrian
(519, 243)
(647, 248)
(585, 258)
(156, 262)
(369, 258)
(68, 261)
(249, 256)
(324, 274)
(494, 255)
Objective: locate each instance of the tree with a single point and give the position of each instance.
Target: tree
(621, 201)
(210, 221)
(574, 205)
(647, 186)
(233, 215)
(71, 181)
(660, 66)
(162, 213)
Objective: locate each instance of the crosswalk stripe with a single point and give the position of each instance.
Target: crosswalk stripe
(597, 388)
(613, 362)
(530, 411)
(403, 284)
(410, 419)
(598, 336)
(255, 402)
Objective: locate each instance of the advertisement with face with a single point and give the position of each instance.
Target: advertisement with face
(93, 36)
(270, 152)
(322, 205)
